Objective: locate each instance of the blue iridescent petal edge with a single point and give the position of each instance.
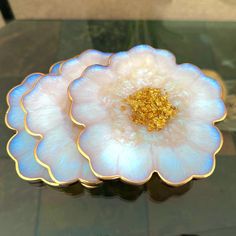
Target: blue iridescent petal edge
(19, 90)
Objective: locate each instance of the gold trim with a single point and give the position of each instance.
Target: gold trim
(36, 179)
(51, 67)
(82, 181)
(90, 186)
(112, 177)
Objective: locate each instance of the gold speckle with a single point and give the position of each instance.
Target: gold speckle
(122, 108)
(150, 107)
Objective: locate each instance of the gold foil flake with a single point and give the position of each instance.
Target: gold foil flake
(122, 108)
(150, 107)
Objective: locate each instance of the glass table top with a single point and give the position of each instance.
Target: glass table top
(204, 207)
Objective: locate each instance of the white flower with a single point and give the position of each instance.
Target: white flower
(128, 136)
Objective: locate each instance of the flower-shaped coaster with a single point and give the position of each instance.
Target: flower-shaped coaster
(125, 116)
(142, 114)
(47, 117)
(21, 146)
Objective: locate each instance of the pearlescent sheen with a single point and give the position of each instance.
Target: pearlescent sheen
(47, 107)
(21, 145)
(118, 148)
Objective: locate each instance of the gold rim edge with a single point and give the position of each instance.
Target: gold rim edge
(112, 177)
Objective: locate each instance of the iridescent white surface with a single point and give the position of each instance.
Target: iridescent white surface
(47, 107)
(117, 147)
(21, 145)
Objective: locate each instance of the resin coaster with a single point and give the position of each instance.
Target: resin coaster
(147, 114)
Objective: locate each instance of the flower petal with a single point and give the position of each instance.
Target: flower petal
(177, 165)
(58, 150)
(74, 67)
(135, 162)
(89, 113)
(111, 158)
(200, 134)
(206, 110)
(92, 80)
(43, 107)
(145, 56)
(196, 96)
(98, 144)
(21, 148)
(15, 115)
(207, 88)
(87, 107)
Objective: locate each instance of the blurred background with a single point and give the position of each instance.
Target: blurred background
(219, 10)
(34, 34)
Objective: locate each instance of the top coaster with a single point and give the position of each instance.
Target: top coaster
(143, 113)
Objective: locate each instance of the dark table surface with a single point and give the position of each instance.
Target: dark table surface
(204, 207)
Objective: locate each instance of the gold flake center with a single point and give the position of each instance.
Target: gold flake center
(150, 107)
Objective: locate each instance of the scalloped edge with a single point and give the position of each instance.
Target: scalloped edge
(36, 179)
(112, 177)
(84, 182)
